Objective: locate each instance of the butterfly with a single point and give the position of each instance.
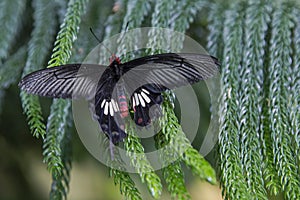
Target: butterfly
(106, 88)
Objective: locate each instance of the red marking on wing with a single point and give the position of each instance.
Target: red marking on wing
(140, 120)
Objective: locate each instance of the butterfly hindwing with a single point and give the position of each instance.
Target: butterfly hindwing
(107, 108)
(109, 118)
(145, 103)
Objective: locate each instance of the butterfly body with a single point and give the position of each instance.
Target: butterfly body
(122, 100)
(106, 88)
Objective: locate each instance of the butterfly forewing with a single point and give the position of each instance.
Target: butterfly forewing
(65, 81)
(169, 71)
(158, 73)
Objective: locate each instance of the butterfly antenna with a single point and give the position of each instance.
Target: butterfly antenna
(100, 41)
(123, 35)
(126, 27)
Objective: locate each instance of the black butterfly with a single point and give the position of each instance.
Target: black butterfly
(106, 88)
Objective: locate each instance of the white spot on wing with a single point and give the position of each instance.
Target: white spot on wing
(106, 108)
(111, 110)
(136, 99)
(146, 91)
(141, 100)
(147, 99)
(103, 102)
(133, 102)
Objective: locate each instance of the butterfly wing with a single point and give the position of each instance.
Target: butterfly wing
(148, 76)
(107, 110)
(92, 82)
(169, 71)
(145, 102)
(65, 81)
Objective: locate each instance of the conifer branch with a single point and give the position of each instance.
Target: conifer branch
(55, 132)
(38, 48)
(215, 47)
(10, 71)
(257, 17)
(121, 176)
(12, 67)
(160, 19)
(259, 139)
(184, 14)
(127, 186)
(173, 175)
(139, 161)
(94, 18)
(68, 33)
(171, 137)
(215, 44)
(162, 13)
(279, 75)
(136, 11)
(172, 151)
(60, 184)
(232, 174)
(57, 136)
(178, 146)
(272, 180)
(10, 20)
(295, 87)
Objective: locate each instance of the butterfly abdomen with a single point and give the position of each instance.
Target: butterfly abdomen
(122, 101)
(123, 106)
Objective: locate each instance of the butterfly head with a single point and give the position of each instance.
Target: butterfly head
(114, 58)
